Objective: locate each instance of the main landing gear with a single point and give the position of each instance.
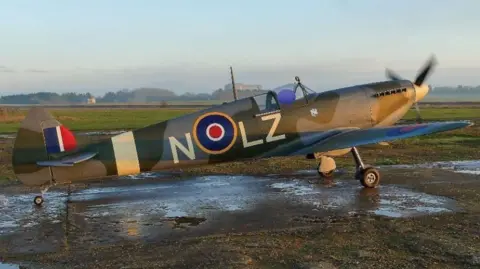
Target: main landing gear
(369, 176)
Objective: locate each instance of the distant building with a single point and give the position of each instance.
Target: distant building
(241, 86)
(91, 100)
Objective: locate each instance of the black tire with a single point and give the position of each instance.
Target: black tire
(38, 200)
(370, 177)
(359, 173)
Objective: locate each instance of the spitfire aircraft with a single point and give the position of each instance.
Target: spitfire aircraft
(287, 121)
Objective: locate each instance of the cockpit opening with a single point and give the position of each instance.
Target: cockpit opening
(283, 97)
(267, 102)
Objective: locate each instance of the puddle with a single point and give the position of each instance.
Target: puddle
(9, 266)
(305, 172)
(466, 167)
(387, 200)
(151, 175)
(192, 199)
(7, 136)
(172, 199)
(18, 211)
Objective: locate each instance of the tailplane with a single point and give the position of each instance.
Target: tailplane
(39, 139)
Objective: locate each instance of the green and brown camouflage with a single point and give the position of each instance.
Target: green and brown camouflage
(263, 127)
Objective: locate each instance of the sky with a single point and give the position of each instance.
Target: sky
(99, 46)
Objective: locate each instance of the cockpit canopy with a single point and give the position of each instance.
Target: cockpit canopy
(289, 93)
(282, 97)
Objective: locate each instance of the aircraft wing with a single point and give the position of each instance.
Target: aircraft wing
(348, 138)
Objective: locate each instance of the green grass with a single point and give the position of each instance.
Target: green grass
(429, 113)
(104, 119)
(452, 98)
(388, 161)
(113, 119)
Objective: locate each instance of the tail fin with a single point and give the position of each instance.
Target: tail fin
(39, 136)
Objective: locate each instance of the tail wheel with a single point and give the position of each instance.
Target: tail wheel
(38, 200)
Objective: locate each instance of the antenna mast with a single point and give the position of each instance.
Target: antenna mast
(233, 84)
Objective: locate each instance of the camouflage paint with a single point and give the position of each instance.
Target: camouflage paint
(299, 128)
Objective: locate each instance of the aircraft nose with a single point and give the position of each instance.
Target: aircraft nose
(421, 91)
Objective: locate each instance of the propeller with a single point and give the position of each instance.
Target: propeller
(420, 89)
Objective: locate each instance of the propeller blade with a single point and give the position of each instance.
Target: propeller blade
(426, 71)
(392, 75)
(419, 117)
(421, 77)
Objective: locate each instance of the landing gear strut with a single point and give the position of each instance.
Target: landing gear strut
(368, 175)
(38, 201)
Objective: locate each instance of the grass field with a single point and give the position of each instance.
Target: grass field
(84, 119)
(97, 119)
(446, 113)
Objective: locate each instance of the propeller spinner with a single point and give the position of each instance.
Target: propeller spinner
(420, 89)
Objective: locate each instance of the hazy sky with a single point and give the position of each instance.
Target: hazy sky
(104, 45)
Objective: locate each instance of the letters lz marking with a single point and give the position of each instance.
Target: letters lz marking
(174, 144)
(276, 118)
(270, 138)
(243, 134)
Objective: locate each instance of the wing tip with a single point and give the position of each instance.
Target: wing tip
(461, 123)
(465, 123)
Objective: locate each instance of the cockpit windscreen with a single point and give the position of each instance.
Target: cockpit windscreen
(289, 93)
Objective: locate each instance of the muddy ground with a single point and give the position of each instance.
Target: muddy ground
(266, 214)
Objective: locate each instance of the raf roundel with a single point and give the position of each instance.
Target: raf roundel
(215, 132)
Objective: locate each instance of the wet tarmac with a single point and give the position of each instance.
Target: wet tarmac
(200, 197)
(151, 206)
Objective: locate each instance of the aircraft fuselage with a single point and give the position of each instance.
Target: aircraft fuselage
(254, 127)
(241, 130)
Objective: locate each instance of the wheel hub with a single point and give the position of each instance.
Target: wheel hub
(370, 178)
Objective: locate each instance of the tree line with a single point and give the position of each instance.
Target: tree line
(150, 95)
(142, 95)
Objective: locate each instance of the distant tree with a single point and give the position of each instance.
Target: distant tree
(164, 95)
